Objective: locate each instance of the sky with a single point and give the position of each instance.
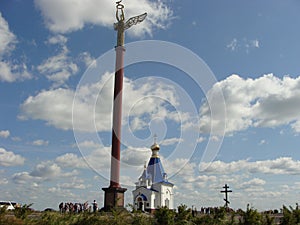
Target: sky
(217, 82)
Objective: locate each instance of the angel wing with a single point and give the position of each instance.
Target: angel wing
(134, 20)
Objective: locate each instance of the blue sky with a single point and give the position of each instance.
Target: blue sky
(242, 108)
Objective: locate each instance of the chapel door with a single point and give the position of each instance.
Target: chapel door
(140, 203)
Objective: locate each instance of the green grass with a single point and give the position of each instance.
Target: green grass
(182, 216)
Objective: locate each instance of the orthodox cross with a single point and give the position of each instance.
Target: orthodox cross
(226, 191)
(155, 139)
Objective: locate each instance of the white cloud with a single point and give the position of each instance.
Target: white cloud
(8, 158)
(65, 16)
(232, 45)
(13, 72)
(222, 167)
(87, 59)
(71, 174)
(3, 181)
(202, 185)
(40, 142)
(73, 186)
(201, 139)
(46, 170)
(22, 178)
(43, 171)
(262, 142)
(9, 72)
(255, 182)
(93, 155)
(180, 166)
(58, 68)
(16, 139)
(98, 158)
(54, 106)
(296, 126)
(71, 160)
(207, 186)
(4, 133)
(137, 123)
(7, 38)
(250, 104)
(93, 104)
(244, 44)
(282, 165)
(266, 194)
(171, 141)
(215, 138)
(255, 43)
(76, 183)
(135, 156)
(57, 39)
(88, 144)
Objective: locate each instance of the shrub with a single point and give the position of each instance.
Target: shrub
(141, 219)
(23, 211)
(290, 216)
(165, 216)
(250, 217)
(183, 215)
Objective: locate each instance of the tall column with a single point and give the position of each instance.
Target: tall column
(117, 119)
(114, 194)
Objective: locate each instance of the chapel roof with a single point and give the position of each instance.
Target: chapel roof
(155, 171)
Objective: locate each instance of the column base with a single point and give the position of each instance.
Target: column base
(113, 198)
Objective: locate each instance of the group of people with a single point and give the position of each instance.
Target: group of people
(70, 207)
(212, 210)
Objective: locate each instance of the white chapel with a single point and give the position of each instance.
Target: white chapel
(153, 189)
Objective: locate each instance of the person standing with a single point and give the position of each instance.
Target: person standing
(95, 206)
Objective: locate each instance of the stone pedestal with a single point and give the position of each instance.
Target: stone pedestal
(113, 198)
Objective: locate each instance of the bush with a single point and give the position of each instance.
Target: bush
(290, 216)
(141, 219)
(183, 215)
(165, 216)
(250, 217)
(23, 211)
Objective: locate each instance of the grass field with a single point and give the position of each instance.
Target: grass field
(163, 216)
